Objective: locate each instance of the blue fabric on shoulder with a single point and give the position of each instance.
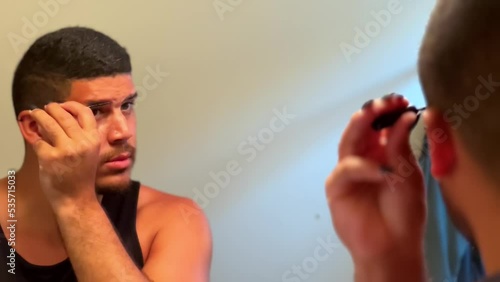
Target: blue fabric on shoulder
(450, 257)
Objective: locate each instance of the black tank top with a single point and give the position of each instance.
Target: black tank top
(121, 209)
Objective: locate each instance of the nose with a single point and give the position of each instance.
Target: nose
(119, 131)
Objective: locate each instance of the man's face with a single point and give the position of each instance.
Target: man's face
(116, 123)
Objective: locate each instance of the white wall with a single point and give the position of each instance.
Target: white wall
(227, 73)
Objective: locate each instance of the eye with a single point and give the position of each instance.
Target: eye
(127, 106)
(96, 111)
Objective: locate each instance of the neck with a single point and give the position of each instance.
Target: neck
(486, 230)
(475, 195)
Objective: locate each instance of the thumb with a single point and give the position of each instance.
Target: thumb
(400, 157)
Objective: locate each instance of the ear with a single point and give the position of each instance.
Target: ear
(29, 128)
(441, 143)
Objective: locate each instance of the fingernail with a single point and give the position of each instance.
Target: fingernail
(386, 169)
(367, 104)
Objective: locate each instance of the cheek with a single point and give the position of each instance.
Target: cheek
(132, 126)
(102, 129)
(103, 138)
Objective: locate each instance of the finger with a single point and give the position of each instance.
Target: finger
(398, 147)
(40, 146)
(350, 171)
(358, 133)
(67, 122)
(50, 130)
(82, 113)
(359, 129)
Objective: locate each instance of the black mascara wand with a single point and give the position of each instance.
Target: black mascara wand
(389, 119)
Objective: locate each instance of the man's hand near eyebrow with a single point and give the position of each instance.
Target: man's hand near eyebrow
(68, 155)
(68, 152)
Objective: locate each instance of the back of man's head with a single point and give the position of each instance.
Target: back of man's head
(459, 68)
(46, 70)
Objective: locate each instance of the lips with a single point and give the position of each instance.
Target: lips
(119, 162)
(120, 157)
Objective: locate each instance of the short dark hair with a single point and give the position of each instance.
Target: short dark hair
(461, 50)
(46, 70)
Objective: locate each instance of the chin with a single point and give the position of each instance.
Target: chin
(113, 183)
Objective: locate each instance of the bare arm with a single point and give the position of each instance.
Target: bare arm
(94, 248)
(182, 248)
(68, 154)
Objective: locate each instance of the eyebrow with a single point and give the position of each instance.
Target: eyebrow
(100, 103)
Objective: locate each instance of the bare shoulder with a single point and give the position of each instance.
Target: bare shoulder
(175, 237)
(174, 223)
(155, 205)
(149, 196)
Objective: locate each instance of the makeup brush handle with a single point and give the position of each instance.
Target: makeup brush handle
(389, 119)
